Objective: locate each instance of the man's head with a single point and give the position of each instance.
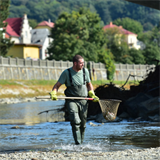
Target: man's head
(78, 62)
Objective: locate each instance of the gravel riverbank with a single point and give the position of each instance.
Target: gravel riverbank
(19, 100)
(130, 154)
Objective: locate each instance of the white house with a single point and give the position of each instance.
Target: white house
(18, 30)
(41, 37)
(131, 38)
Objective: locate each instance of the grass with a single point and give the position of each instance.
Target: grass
(7, 82)
(52, 82)
(27, 82)
(33, 88)
(103, 82)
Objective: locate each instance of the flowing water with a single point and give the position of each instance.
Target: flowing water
(22, 128)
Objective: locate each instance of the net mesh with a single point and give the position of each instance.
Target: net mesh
(109, 108)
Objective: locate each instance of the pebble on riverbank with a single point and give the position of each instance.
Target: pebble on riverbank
(129, 154)
(19, 100)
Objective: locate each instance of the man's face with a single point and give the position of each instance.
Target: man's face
(79, 64)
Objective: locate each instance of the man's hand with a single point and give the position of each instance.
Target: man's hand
(92, 95)
(53, 95)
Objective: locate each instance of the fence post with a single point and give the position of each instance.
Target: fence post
(89, 69)
(1, 60)
(32, 65)
(40, 69)
(121, 71)
(17, 62)
(67, 64)
(47, 63)
(61, 63)
(134, 69)
(9, 60)
(11, 69)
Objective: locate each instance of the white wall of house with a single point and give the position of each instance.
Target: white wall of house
(25, 31)
(15, 39)
(44, 50)
(133, 42)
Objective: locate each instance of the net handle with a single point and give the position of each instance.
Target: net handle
(116, 100)
(48, 97)
(86, 98)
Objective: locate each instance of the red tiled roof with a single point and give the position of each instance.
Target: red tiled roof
(45, 23)
(10, 31)
(15, 26)
(120, 27)
(7, 35)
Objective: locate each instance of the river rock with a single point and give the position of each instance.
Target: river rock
(132, 104)
(155, 118)
(124, 115)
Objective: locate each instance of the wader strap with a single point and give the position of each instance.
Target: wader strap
(84, 76)
(70, 77)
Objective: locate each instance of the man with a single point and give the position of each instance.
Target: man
(78, 84)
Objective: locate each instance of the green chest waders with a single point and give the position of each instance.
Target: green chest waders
(77, 109)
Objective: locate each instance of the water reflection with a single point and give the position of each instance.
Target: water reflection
(27, 113)
(28, 130)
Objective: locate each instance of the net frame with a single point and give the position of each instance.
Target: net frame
(109, 108)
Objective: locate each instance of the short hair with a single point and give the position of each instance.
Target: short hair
(76, 58)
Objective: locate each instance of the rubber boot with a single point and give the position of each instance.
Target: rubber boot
(82, 133)
(76, 134)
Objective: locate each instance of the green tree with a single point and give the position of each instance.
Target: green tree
(152, 41)
(145, 37)
(18, 11)
(158, 26)
(151, 37)
(151, 54)
(148, 26)
(106, 57)
(77, 33)
(117, 45)
(108, 10)
(33, 23)
(5, 43)
(129, 24)
(103, 11)
(137, 56)
(19, 2)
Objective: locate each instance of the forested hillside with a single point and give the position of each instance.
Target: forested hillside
(108, 10)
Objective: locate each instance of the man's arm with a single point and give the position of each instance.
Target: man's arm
(89, 86)
(56, 87)
(91, 92)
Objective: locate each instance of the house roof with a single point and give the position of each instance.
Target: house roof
(10, 32)
(39, 36)
(45, 23)
(14, 26)
(7, 35)
(111, 25)
(27, 45)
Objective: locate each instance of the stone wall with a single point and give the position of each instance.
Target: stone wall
(22, 69)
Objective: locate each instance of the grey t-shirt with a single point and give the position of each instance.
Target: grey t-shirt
(77, 77)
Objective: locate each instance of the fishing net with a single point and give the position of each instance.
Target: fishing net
(109, 108)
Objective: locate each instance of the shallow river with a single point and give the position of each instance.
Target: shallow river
(21, 128)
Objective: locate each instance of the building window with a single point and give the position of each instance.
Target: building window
(26, 34)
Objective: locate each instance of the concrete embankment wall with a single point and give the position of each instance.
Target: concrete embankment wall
(22, 69)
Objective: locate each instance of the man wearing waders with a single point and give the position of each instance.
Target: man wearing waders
(78, 84)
